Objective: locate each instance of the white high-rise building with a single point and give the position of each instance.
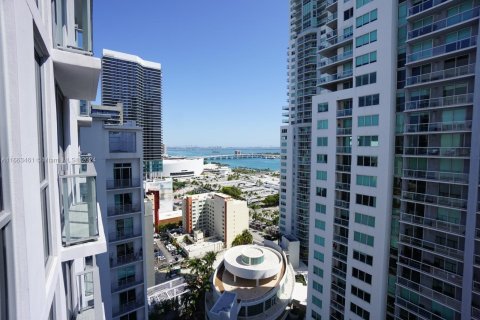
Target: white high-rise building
(117, 152)
(379, 159)
(51, 230)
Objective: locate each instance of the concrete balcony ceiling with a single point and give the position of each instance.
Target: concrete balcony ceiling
(77, 74)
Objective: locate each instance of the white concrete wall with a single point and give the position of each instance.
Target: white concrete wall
(176, 165)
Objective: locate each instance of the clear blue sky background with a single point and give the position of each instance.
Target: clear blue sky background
(224, 64)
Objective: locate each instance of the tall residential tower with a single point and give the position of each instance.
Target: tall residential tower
(379, 124)
(137, 84)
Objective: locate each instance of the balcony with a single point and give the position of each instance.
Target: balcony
(122, 284)
(123, 209)
(439, 176)
(343, 167)
(450, 101)
(126, 259)
(123, 235)
(346, 150)
(329, 79)
(329, 62)
(458, 203)
(122, 183)
(129, 306)
(433, 223)
(87, 301)
(437, 151)
(344, 113)
(76, 70)
(342, 186)
(334, 41)
(438, 127)
(431, 270)
(444, 23)
(443, 49)
(344, 131)
(432, 247)
(436, 76)
(424, 6)
(342, 204)
(79, 203)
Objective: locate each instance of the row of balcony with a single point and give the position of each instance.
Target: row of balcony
(430, 269)
(335, 59)
(442, 75)
(425, 5)
(456, 100)
(334, 40)
(442, 49)
(436, 200)
(452, 177)
(465, 125)
(433, 223)
(432, 247)
(437, 151)
(444, 23)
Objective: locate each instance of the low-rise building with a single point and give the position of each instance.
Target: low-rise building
(252, 281)
(182, 167)
(216, 214)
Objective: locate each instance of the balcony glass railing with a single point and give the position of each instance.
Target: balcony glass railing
(433, 223)
(123, 183)
(327, 43)
(430, 269)
(344, 112)
(339, 57)
(84, 109)
(79, 203)
(344, 131)
(444, 23)
(439, 126)
(431, 246)
(442, 49)
(344, 149)
(454, 177)
(85, 285)
(127, 258)
(130, 305)
(425, 5)
(342, 204)
(442, 75)
(123, 234)
(435, 199)
(344, 167)
(336, 77)
(440, 102)
(123, 209)
(438, 151)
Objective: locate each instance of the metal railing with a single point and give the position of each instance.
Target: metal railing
(444, 23)
(438, 151)
(123, 183)
(433, 247)
(439, 102)
(342, 204)
(430, 269)
(444, 48)
(435, 199)
(424, 6)
(438, 126)
(455, 177)
(442, 74)
(433, 223)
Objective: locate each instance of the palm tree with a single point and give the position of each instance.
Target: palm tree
(195, 265)
(209, 259)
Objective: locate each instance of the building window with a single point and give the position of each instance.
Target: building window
(367, 161)
(368, 141)
(363, 257)
(316, 316)
(362, 275)
(363, 238)
(318, 271)
(368, 120)
(370, 100)
(322, 192)
(126, 275)
(323, 107)
(366, 18)
(322, 158)
(347, 14)
(320, 224)
(322, 124)
(365, 296)
(45, 223)
(365, 219)
(365, 200)
(122, 141)
(365, 59)
(367, 181)
(320, 208)
(366, 39)
(319, 240)
(366, 79)
(361, 3)
(127, 297)
(317, 286)
(40, 116)
(321, 175)
(322, 141)
(317, 302)
(318, 256)
(362, 313)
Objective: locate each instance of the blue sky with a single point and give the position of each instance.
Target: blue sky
(224, 64)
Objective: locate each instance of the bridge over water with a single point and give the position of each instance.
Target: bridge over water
(242, 156)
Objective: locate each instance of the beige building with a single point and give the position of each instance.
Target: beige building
(216, 214)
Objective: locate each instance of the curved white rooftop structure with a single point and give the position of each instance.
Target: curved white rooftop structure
(252, 281)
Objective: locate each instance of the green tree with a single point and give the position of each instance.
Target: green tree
(271, 200)
(234, 192)
(244, 238)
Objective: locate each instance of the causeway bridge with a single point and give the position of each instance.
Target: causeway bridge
(242, 156)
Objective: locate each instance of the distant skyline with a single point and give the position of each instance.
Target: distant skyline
(223, 63)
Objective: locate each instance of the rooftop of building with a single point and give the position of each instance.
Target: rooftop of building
(131, 58)
(257, 269)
